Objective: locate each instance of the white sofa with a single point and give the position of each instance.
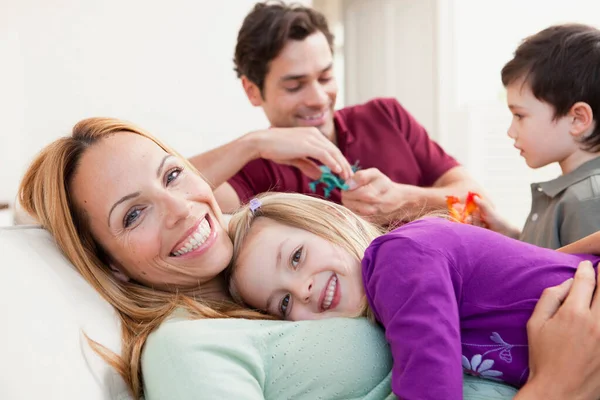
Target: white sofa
(46, 306)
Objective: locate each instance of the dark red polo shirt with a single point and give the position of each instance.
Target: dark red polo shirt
(379, 133)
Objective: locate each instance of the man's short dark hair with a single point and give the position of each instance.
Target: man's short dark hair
(561, 65)
(266, 30)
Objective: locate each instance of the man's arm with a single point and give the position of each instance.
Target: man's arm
(373, 195)
(220, 164)
(298, 147)
(454, 182)
(227, 198)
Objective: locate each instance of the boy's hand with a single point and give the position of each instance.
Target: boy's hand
(494, 221)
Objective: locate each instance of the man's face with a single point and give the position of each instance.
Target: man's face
(300, 88)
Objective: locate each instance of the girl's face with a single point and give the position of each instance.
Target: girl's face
(296, 275)
(157, 220)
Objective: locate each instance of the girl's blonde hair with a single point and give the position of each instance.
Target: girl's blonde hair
(330, 221)
(45, 193)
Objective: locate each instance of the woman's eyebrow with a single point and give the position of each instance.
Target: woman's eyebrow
(132, 195)
(162, 163)
(122, 199)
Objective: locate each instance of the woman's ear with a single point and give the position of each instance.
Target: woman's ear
(583, 119)
(118, 272)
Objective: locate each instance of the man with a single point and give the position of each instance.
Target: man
(285, 61)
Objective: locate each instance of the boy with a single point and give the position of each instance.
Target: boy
(552, 91)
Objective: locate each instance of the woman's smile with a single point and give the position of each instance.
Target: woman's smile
(197, 239)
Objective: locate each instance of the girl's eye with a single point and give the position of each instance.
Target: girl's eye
(131, 217)
(296, 257)
(285, 303)
(172, 175)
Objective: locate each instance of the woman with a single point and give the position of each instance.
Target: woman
(144, 229)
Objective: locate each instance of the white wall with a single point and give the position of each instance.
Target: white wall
(164, 65)
(389, 48)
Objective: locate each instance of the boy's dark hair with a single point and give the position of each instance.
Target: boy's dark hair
(266, 30)
(561, 65)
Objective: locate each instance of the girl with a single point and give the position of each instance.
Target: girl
(298, 257)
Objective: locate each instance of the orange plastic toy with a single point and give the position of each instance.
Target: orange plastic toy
(468, 209)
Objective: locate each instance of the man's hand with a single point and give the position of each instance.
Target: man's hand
(301, 147)
(491, 219)
(374, 196)
(564, 341)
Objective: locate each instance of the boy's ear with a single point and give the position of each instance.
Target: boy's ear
(583, 119)
(252, 91)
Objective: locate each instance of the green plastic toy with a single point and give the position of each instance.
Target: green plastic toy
(330, 180)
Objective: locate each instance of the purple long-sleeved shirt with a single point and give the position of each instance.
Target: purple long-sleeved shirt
(455, 297)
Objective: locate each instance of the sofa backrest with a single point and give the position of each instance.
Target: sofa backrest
(46, 307)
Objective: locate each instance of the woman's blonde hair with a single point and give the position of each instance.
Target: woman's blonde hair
(45, 193)
(330, 221)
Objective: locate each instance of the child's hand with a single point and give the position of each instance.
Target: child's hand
(467, 212)
(472, 219)
(490, 218)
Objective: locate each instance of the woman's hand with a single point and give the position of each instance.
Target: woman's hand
(564, 341)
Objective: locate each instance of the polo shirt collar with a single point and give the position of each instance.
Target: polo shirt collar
(584, 171)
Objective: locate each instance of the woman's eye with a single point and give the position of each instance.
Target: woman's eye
(283, 307)
(296, 257)
(130, 217)
(172, 175)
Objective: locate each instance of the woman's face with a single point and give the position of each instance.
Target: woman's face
(157, 220)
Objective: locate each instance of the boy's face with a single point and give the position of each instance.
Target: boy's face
(293, 274)
(539, 137)
(300, 88)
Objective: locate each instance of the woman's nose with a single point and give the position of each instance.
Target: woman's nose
(176, 208)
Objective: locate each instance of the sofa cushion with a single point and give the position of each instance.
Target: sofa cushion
(46, 308)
